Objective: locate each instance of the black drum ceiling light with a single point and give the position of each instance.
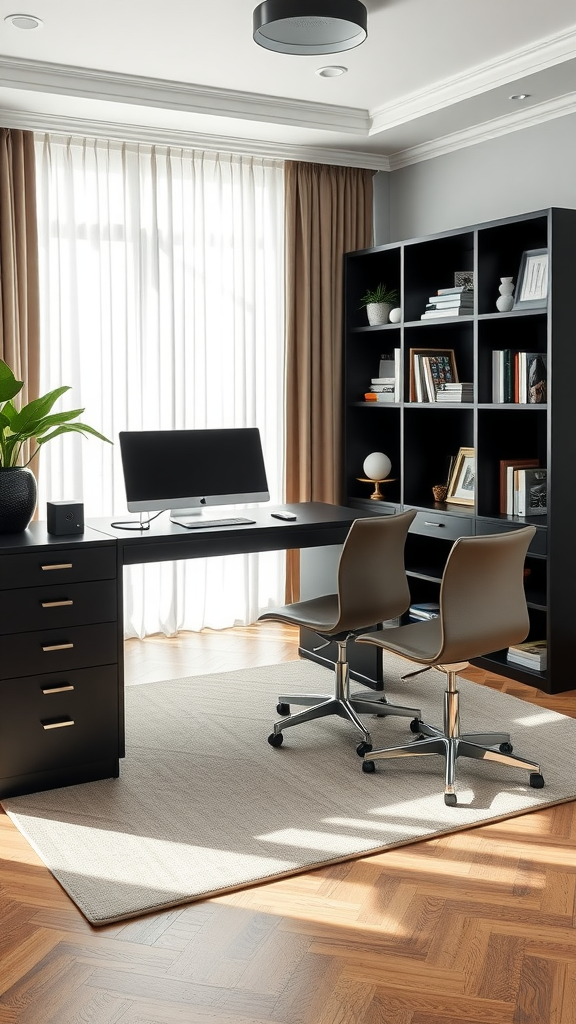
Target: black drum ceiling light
(310, 26)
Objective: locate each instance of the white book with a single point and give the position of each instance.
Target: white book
(397, 374)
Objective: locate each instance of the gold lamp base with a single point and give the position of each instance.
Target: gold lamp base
(376, 493)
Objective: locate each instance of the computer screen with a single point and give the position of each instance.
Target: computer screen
(190, 469)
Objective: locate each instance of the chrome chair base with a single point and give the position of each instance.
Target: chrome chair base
(451, 744)
(342, 703)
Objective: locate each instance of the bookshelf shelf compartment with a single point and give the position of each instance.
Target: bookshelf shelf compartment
(421, 437)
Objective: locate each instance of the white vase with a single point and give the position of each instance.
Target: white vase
(505, 301)
(378, 313)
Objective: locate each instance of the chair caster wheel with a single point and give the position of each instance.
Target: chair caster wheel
(415, 725)
(506, 748)
(283, 709)
(275, 739)
(368, 767)
(536, 780)
(450, 799)
(363, 748)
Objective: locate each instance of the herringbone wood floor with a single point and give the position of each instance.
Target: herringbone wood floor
(477, 927)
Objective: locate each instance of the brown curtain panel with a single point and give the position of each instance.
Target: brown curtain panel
(328, 212)
(19, 287)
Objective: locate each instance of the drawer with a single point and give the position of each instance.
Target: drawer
(442, 525)
(75, 722)
(537, 544)
(59, 650)
(72, 604)
(46, 566)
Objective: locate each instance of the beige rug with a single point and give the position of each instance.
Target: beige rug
(204, 804)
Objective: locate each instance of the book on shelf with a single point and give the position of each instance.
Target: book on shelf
(424, 610)
(519, 377)
(430, 314)
(531, 654)
(530, 492)
(382, 385)
(389, 374)
(456, 290)
(449, 301)
(379, 396)
(455, 392)
(507, 467)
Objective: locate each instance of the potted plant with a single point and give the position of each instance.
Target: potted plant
(378, 302)
(32, 422)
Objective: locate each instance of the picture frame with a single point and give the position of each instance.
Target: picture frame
(439, 361)
(462, 482)
(532, 285)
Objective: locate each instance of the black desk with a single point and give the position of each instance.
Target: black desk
(62, 637)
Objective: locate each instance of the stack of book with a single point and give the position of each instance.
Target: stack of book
(458, 301)
(455, 392)
(531, 654)
(386, 386)
(519, 377)
(423, 610)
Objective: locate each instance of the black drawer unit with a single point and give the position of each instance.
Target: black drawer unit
(61, 696)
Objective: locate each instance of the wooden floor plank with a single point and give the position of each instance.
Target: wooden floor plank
(477, 927)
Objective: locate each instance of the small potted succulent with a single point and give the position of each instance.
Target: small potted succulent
(32, 422)
(378, 302)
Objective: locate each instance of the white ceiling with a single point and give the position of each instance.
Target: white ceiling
(433, 75)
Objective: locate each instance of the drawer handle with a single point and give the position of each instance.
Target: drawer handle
(57, 725)
(58, 647)
(439, 526)
(55, 604)
(58, 689)
(62, 565)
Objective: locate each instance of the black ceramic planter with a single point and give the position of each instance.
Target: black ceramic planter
(17, 498)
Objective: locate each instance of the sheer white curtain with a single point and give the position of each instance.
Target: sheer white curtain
(161, 280)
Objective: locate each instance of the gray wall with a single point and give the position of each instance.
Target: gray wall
(514, 174)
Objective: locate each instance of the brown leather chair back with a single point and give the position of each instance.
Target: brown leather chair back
(372, 584)
(482, 598)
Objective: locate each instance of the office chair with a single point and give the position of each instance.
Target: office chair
(372, 587)
(482, 609)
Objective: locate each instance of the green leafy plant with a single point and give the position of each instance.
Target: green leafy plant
(33, 421)
(380, 294)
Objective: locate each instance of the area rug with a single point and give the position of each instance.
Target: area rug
(205, 805)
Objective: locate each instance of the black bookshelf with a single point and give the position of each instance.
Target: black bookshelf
(419, 437)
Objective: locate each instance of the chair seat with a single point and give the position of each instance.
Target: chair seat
(319, 613)
(419, 641)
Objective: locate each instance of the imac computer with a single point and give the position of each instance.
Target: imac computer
(188, 470)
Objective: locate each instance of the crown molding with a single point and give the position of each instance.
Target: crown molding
(111, 86)
(535, 115)
(517, 64)
(67, 126)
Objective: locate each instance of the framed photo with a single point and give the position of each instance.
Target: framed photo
(462, 483)
(430, 367)
(464, 279)
(532, 285)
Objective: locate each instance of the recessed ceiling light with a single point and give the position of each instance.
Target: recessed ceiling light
(519, 96)
(25, 21)
(331, 72)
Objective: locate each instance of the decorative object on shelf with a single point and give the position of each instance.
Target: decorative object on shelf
(379, 301)
(33, 421)
(462, 481)
(439, 492)
(395, 315)
(464, 279)
(532, 290)
(505, 302)
(377, 467)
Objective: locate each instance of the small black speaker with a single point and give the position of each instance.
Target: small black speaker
(65, 517)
